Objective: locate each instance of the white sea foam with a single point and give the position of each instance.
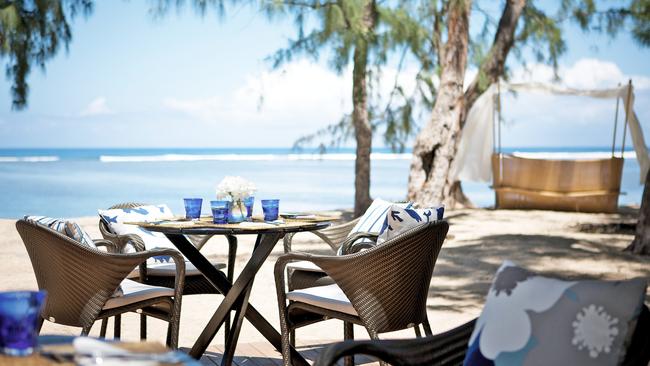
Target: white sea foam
(559, 155)
(28, 159)
(245, 157)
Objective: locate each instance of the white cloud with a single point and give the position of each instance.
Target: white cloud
(585, 73)
(304, 93)
(299, 90)
(202, 108)
(303, 97)
(97, 107)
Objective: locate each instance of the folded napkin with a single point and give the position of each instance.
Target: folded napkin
(90, 350)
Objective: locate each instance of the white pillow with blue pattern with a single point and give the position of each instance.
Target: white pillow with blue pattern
(115, 219)
(399, 219)
(66, 227)
(374, 219)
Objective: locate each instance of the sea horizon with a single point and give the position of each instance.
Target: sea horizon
(74, 182)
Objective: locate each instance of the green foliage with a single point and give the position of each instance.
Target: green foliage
(542, 34)
(338, 27)
(634, 17)
(31, 33)
(160, 8)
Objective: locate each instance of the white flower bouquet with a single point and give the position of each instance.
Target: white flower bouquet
(235, 188)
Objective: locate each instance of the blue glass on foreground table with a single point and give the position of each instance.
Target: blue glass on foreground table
(270, 209)
(19, 315)
(220, 211)
(193, 208)
(249, 202)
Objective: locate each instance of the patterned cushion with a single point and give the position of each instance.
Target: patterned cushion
(373, 219)
(115, 218)
(400, 219)
(529, 319)
(68, 228)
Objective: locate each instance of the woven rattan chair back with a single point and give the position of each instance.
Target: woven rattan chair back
(389, 283)
(78, 279)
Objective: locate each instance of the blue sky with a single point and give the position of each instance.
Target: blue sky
(130, 80)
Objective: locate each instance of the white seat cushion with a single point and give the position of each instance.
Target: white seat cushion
(328, 297)
(168, 269)
(304, 266)
(134, 292)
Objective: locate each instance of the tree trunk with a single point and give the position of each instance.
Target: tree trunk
(491, 70)
(641, 243)
(362, 128)
(493, 66)
(436, 144)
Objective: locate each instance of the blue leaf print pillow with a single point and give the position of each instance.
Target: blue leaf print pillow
(116, 218)
(400, 219)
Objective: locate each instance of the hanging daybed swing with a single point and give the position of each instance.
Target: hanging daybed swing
(522, 182)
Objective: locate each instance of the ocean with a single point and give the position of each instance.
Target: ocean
(77, 182)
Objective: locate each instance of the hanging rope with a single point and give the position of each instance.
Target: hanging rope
(499, 112)
(627, 115)
(615, 127)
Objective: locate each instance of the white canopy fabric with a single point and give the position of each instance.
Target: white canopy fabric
(473, 160)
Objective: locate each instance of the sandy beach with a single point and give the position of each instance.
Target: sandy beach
(566, 244)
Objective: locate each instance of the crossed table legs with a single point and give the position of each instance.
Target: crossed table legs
(236, 297)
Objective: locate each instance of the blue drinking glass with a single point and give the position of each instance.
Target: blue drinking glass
(19, 317)
(248, 202)
(220, 211)
(193, 208)
(270, 208)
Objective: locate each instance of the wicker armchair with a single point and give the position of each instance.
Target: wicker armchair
(195, 282)
(383, 288)
(449, 348)
(80, 281)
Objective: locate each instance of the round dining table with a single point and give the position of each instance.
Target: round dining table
(236, 293)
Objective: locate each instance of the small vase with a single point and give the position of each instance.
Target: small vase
(237, 212)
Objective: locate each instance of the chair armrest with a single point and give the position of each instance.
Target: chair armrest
(285, 259)
(350, 246)
(280, 266)
(110, 246)
(131, 239)
(446, 348)
(331, 235)
(176, 256)
(121, 240)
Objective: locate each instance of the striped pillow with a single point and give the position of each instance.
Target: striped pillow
(68, 228)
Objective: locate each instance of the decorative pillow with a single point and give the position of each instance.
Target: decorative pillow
(115, 218)
(529, 319)
(68, 228)
(400, 219)
(373, 219)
